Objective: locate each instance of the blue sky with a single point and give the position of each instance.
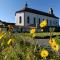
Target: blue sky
(9, 7)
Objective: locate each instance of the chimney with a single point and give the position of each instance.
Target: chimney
(50, 11)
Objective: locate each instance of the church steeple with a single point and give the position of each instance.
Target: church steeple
(26, 5)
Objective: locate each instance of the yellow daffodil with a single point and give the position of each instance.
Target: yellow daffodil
(2, 34)
(43, 23)
(9, 41)
(44, 53)
(52, 41)
(32, 30)
(55, 47)
(53, 44)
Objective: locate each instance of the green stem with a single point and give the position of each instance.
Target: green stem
(44, 59)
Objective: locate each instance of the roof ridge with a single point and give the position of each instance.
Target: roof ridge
(37, 12)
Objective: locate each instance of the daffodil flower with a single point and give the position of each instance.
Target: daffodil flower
(43, 24)
(44, 53)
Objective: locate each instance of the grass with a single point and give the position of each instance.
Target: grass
(22, 47)
(43, 34)
(47, 33)
(57, 38)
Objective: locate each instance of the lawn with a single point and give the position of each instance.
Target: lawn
(42, 34)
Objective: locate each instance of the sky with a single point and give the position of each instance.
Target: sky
(9, 7)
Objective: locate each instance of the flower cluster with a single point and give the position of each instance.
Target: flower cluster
(2, 34)
(43, 24)
(32, 32)
(20, 46)
(44, 53)
(53, 44)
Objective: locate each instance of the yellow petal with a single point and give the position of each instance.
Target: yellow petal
(32, 30)
(43, 23)
(44, 53)
(55, 47)
(9, 41)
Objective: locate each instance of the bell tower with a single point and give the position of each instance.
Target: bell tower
(26, 5)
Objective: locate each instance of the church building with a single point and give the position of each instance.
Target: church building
(31, 17)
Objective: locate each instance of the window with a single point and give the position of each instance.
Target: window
(39, 20)
(20, 19)
(54, 22)
(34, 20)
(28, 19)
(50, 23)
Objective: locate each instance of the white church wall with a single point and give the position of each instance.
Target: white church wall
(32, 16)
(51, 21)
(18, 18)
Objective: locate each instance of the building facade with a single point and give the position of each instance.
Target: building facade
(4, 25)
(28, 16)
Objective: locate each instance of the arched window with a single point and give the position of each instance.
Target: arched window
(50, 23)
(34, 20)
(28, 19)
(20, 19)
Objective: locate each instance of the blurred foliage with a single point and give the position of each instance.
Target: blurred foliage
(23, 47)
